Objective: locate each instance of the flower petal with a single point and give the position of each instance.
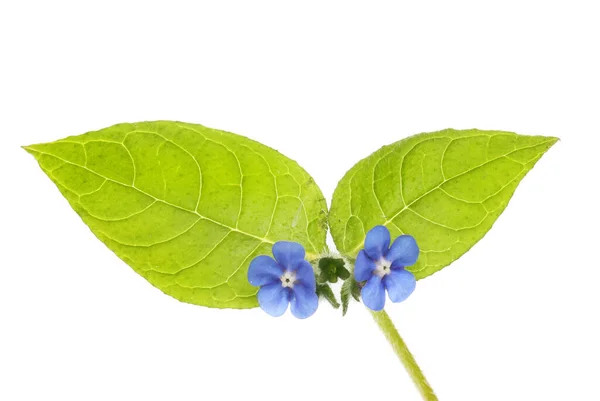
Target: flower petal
(373, 293)
(363, 267)
(274, 299)
(305, 275)
(400, 284)
(288, 254)
(404, 251)
(304, 301)
(264, 270)
(377, 242)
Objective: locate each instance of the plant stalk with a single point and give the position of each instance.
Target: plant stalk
(400, 348)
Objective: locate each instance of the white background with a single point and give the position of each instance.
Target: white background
(326, 83)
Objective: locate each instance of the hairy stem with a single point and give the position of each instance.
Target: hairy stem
(400, 348)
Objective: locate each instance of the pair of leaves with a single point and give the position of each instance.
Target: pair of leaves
(188, 207)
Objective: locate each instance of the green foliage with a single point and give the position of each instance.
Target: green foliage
(187, 207)
(445, 188)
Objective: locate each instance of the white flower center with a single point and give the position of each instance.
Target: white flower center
(383, 267)
(288, 279)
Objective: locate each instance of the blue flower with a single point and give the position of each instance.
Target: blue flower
(382, 267)
(287, 279)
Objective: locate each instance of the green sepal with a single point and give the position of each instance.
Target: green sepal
(342, 272)
(331, 269)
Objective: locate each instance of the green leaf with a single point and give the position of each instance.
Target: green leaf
(325, 291)
(187, 207)
(345, 297)
(445, 188)
(349, 288)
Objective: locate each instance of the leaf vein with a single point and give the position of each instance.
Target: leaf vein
(266, 240)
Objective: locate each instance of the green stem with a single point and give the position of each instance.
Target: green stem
(400, 348)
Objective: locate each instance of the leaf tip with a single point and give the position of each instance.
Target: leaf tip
(551, 141)
(28, 149)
